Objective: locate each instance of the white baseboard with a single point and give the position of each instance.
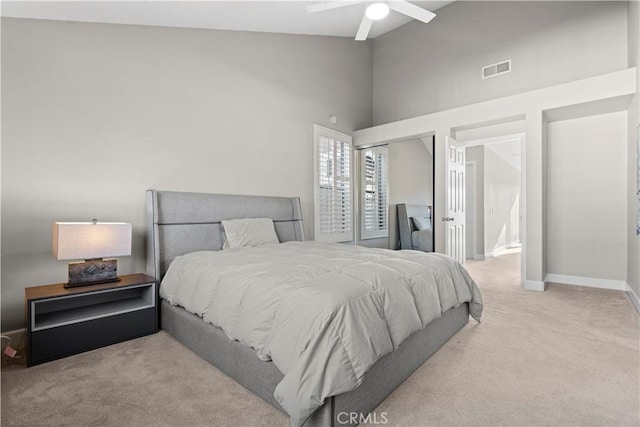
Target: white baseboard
(633, 297)
(502, 249)
(534, 285)
(497, 251)
(591, 282)
(479, 257)
(15, 337)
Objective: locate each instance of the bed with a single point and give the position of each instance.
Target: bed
(415, 227)
(182, 223)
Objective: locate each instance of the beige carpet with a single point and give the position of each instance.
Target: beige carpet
(565, 357)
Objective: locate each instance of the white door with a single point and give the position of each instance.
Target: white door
(454, 219)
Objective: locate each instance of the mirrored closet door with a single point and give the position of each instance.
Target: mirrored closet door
(398, 173)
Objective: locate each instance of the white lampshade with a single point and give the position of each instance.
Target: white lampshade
(88, 240)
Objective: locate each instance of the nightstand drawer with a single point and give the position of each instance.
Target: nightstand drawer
(64, 321)
(57, 342)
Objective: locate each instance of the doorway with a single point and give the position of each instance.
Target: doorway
(494, 186)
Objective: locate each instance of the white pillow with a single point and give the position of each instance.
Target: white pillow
(248, 232)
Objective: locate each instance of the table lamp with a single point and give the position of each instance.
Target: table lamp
(91, 241)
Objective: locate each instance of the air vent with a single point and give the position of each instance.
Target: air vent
(496, 69)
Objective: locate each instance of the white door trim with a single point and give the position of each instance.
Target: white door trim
(455, 201)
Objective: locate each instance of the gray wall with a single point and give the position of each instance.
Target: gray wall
(633, 240)
(410, 179)
(93, 115)
(420, 69)
(587, 198)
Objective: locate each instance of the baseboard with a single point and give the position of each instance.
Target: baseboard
(502, 249)
(497, 252)
(534, 285)
(591, 282)
(479, 257)
(633, 297)
(15, 336)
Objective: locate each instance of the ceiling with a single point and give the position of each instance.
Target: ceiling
(284, 16)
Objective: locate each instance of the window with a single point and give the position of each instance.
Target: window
(374, 195)
(333, 184)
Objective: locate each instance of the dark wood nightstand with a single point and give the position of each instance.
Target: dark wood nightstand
(64, 321)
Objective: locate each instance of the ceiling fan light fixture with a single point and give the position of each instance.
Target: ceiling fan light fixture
(377, 11)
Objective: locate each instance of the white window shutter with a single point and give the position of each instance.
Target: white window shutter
(333, 185)
(374, 192)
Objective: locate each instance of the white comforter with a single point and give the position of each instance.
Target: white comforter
(324, 313)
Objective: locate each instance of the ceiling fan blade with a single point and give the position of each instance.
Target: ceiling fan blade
(411, 10)
(321, 7)
(365, 26)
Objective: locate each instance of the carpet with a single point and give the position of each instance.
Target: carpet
(567, 357)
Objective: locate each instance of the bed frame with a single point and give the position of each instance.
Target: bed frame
(179, 223)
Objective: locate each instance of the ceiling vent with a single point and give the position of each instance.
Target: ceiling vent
(496, 69)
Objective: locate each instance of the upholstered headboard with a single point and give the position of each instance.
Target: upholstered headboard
(405, 225)
(179, 223)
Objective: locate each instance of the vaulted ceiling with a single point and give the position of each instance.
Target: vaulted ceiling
(284, 16)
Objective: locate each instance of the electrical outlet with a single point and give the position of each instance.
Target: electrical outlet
(10, 351)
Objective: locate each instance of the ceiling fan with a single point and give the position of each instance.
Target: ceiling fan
(375, 11)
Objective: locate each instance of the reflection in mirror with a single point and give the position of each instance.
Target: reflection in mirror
(411, 183)
(400, 172)
(374, 193)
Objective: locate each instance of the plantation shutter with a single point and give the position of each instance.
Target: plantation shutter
(333, 186)
(375, 192)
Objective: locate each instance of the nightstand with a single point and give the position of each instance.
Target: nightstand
(64, 321)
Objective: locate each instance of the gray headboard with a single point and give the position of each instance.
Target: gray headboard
(405, 225)
(179, 223)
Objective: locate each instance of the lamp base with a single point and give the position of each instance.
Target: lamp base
(91, 272)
